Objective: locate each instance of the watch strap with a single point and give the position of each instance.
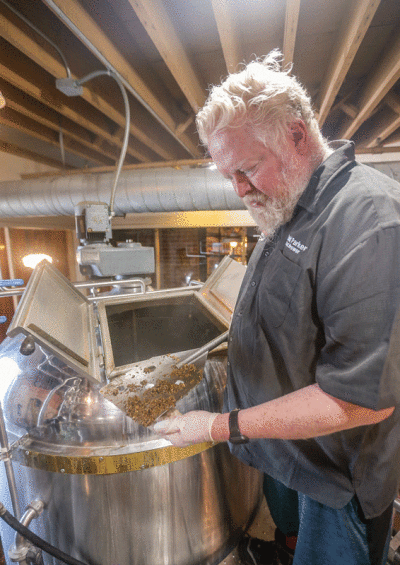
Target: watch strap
(235, 435)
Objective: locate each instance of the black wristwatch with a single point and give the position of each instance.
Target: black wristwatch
(235, 436)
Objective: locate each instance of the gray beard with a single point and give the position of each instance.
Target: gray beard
(273, 215)
(275, 212)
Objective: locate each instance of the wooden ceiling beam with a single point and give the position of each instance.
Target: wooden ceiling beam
(385, 129)
(354, 27)
(183, 126)
(29, 126)
(20, 36)
(290, 32)
(140, 166)
(393, 138)
(12, 149)
(378, 150)
(78, 19)
(76, 110)
(227, 33)
(387, 125)
(17, 69)
(27, 106)
(157, 23)
(377, 86)
(393, 101)
(349, 109)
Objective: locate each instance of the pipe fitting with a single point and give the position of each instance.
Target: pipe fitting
(22, 551)
(20, 555)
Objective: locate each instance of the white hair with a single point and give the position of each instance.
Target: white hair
(263, 95)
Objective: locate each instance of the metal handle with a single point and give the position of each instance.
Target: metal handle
(204, 349)
(11, 282)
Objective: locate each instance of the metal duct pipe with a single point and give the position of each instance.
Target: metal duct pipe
(144, 190)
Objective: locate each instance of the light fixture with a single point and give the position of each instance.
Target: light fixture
(34, 259)
(2, 101)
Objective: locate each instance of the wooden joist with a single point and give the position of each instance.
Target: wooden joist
(228, 33)
(78, 18)
(378, 85)
(290, 31)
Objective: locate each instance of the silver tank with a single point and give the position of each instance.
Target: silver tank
(114, 493)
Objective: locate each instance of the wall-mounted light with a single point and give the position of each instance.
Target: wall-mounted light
(34, 259)
(2, 101)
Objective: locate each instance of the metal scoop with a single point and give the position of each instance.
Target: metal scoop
(152, 387)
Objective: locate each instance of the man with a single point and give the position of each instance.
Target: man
(314, 355)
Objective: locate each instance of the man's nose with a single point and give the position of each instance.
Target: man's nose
(241, 184)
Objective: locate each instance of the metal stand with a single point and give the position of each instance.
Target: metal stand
(6, 457)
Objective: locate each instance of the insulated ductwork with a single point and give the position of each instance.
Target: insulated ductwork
(140, 190)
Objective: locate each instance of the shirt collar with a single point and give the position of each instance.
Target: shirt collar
(342, 156)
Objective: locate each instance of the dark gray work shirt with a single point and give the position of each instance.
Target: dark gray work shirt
(319, 305)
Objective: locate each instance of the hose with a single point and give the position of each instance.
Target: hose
(36, 540)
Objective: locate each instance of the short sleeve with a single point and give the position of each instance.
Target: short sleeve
(358, 301)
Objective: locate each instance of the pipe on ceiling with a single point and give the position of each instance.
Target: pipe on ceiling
(144, 190)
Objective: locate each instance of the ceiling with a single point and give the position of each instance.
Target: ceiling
(167, 53)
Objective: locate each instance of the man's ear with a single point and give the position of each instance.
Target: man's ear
(299, 135)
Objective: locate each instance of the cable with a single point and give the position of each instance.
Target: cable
(125, 144)
(82, 81)
(30, 24)
(36, 540)
(61, 140)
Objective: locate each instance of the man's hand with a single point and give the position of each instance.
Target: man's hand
(187, 429)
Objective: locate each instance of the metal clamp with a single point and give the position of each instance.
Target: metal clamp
(6, 453)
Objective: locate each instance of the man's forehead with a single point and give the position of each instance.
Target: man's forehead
(225, 156)
(234, 146)
(231, 140)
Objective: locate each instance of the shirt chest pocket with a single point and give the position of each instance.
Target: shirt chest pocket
(277, 290)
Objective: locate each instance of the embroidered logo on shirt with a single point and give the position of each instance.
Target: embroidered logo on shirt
(294, 245)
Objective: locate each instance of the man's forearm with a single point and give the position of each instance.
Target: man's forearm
(308, 412)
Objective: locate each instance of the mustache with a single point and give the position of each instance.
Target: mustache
(255, 195)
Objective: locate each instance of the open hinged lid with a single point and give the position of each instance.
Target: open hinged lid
(57, 316)
(221, 289)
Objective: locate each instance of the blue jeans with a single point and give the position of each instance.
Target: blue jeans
(283, 504)
(327, 536)
(341, 537)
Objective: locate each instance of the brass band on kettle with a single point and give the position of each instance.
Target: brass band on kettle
(107, 464)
